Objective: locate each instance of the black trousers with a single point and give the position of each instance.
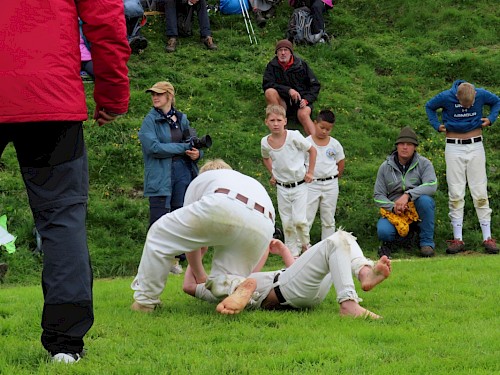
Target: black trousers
(54, 168)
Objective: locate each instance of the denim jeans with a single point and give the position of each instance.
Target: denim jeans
(425, 207)
(174, 6)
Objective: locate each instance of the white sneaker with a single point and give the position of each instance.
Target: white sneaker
(66, 357)
(176, 269)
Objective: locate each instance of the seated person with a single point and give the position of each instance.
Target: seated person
(306, 281)
(87, 67)
(135, 20)
(263, 10)
(173, 7)
(288, 81)
(405, 183)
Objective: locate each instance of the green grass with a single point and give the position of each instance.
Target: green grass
(387, 59)
(440, 317)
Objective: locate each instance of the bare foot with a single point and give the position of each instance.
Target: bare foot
(352, 308)
(370, 277)
(142, 308)
(236, 302)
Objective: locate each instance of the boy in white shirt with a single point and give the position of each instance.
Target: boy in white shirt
(323, 191)
(284, 155)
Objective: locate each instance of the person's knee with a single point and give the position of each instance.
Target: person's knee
(272, 96)
(425, 202)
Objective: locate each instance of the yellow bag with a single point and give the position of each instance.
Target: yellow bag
(402, 222)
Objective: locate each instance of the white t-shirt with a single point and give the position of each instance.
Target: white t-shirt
(288, 160)
(327, 158)
(207, 182)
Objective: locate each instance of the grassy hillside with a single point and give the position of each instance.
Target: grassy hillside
(387, 59)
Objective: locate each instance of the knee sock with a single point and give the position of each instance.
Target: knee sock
(457, 229)
(486, 229)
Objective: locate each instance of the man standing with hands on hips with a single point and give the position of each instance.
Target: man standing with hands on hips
(463, 122)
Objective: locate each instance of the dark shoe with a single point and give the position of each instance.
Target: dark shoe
(427, 251)
(138, 44)
(3, 270)
(455, 246)
(384, 249)
(171, 44)
(259, 18)
(490, 246)
(209, 43)
(271, 12)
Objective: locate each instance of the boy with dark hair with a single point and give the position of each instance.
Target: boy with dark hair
(323, 191)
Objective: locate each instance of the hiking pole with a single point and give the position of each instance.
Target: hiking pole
(248, 22)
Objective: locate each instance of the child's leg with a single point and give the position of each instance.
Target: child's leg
(286, 215)
(328, 207)
(299, 209)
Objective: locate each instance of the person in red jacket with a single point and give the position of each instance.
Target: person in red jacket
(42, 107)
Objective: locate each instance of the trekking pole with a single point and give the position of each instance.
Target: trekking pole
(248, 22)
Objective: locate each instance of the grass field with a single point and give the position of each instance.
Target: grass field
(387, 59)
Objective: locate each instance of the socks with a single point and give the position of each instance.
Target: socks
(457, 229)
(486, 229)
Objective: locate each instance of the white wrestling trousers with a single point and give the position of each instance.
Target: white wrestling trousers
(239, 235)
(292, 206)
(466, 164)
(323, 195)
(307, 281)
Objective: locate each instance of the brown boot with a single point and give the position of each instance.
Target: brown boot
(209, 43)
(171, 44)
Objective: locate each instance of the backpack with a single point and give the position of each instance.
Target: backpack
(185, 22)
(299, 27)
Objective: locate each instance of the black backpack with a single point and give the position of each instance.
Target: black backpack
(185, 22)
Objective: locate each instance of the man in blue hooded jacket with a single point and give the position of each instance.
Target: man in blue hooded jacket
(462, 120)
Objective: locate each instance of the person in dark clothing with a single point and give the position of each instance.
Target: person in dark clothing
(289, 81)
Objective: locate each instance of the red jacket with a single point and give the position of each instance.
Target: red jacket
(40, 59)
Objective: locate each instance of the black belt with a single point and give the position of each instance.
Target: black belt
(467, 141)
(327, 178)
(291, 185)
(242, 198)
(277, 290)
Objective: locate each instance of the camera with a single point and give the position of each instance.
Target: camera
(189, 136)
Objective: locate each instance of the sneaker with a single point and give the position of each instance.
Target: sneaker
(490, 246)
(427, 251)
(138, 44)
(136, 306)
(176, 269)
(384, 250)
(455, 246)
(171, 44)
(66, 357)
(209, 43)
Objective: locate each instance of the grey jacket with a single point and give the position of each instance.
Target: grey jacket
(419, 179)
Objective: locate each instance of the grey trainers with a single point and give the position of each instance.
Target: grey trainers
(171, 44)
(209, 43)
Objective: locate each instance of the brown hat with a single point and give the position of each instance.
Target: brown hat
(284, 43)
(407, 135)
(162, 87)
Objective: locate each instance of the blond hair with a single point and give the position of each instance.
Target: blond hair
(466, 94)
(275, 109)
(214, 164)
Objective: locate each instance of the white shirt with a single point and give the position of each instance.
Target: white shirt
(208, 182)
(288, 160)
(327, 158)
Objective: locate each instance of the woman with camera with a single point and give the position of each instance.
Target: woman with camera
(170, 160)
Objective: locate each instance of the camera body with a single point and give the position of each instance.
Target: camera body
(189, 136)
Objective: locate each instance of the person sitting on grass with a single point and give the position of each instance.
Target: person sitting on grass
(306, 281)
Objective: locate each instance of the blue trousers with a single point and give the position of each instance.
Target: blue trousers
(53, 164)
(425, 207)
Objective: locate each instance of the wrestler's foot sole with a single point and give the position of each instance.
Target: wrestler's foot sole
(236, 302)
(377, 274)
(353, 309)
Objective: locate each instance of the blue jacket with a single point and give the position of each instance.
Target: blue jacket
(158, 150)
(456, 118)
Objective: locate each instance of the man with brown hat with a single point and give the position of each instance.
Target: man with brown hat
(288, 81)
(405, 177)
